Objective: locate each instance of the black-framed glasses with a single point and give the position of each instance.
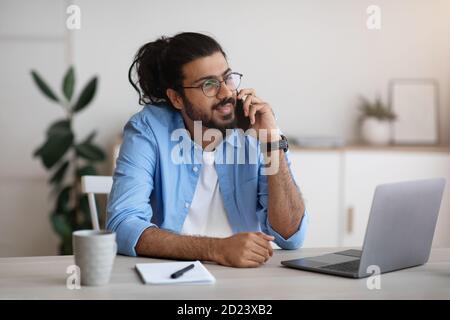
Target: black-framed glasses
(211, 87)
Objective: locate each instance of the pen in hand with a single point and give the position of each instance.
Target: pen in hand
(179, 273)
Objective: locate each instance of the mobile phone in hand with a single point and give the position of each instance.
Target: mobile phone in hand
(243, 122)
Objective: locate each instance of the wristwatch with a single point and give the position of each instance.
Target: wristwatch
(278, 145)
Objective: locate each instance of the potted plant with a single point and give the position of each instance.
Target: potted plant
(376, 121)
(68, 159)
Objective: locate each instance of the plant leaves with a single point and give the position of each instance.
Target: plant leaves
(86, 95)
(54, 148)
(376, 109)
(85, 209)
(58, 176)
(59, 140)
(90, 137)
(84, 204)
(65, 247)
(60, 127)
(61, 225)
(38, 151)
(69, 83)
(42, 85)
(87, 171)
(90, 152)
(62, 203)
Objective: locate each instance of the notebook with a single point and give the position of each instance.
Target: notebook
(159, 273)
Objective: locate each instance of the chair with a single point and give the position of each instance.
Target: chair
(92, 185)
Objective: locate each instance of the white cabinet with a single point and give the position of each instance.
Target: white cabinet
(338, 187)
(318, 177)
(364, 170)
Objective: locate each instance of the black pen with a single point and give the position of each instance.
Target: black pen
(179, 273)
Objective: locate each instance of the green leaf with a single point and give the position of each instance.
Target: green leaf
(61, 225)
(38, 151)
(84, 204)
(68, 83)
(54, 148)
(90, 152)
(59, 140)
(84, 207)
(65, 247)
(62, 203)
(87, 171)
(90, 137)
(58, 176)
(86, 95)
(60, 127)
(42, 85)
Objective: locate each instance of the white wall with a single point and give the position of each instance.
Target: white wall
(31, 36)
(309, 59)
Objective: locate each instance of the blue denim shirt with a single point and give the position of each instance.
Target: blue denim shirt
(150, 189)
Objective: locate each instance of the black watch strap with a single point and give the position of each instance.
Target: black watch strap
(281, 144)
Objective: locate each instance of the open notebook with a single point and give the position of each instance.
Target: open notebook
(159, 273)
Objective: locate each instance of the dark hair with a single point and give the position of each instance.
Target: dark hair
(158, 65)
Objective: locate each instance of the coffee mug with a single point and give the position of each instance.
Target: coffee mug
(94, 253)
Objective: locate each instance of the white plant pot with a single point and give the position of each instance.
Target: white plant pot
(375, 131)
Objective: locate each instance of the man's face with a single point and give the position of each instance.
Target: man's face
(215, 112)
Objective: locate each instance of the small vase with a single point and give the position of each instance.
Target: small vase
(376, 132)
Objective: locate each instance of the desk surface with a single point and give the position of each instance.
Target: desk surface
(45, 278)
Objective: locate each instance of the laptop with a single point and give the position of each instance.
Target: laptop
(399, 232)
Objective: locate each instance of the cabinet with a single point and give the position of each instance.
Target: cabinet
(364, 170)
(338, 187)
(318, 175)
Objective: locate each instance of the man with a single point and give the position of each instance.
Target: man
(206, 210)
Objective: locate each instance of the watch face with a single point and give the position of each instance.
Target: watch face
(284, 143)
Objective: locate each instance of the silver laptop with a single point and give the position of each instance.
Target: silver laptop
(399, 233)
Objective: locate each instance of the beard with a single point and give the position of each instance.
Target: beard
(212, 120)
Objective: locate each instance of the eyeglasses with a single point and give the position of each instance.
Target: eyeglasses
(211, 87)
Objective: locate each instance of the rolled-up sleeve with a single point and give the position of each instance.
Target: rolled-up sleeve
(294, 241)
(129, 209)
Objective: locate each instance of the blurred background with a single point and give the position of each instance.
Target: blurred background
(323, 65)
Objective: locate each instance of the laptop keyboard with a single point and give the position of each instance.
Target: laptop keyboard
(349, 266)
(351, 253)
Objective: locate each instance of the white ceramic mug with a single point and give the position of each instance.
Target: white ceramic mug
(94, 254)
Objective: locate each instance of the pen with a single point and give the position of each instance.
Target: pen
(179, 273)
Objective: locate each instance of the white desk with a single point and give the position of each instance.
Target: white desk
(45, 278)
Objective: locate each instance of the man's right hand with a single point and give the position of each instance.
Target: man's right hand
(244, 250)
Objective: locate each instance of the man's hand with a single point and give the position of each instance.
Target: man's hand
(244, 250)
(260, 114)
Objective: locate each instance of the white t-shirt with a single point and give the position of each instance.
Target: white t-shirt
(207, 215)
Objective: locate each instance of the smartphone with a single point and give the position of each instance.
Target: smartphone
(243, 122)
